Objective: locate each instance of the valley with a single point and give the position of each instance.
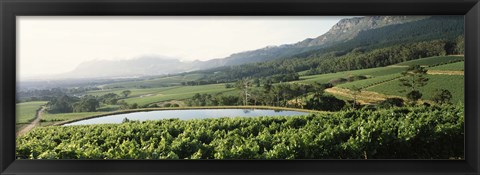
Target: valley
(370, 88)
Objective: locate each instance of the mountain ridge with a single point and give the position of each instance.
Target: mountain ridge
(344, 30)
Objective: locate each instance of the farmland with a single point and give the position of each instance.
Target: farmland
(457, 66)
(370, 87)
(453, 83)
(50, 119)
(26, 111)
(433, 61)
(382, 80)
(178, 93)
(410, 131)
(156, 82)
(373, 72)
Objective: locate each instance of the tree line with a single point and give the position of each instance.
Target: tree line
(64, 103)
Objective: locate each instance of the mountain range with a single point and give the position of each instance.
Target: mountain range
(348, 31)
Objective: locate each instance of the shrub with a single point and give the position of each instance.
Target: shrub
(391, 102)
(442, 96)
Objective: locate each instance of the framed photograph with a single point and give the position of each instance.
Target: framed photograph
(239, 87)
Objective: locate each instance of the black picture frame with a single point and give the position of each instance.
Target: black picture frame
(9, 9)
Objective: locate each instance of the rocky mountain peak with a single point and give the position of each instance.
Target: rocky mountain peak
(348, 28)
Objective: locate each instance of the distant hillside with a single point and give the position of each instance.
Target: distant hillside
(433, 36)
(343, 31)
(360, 33)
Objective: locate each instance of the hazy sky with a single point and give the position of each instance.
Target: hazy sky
(53, 45)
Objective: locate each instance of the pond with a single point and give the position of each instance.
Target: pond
(185, 115)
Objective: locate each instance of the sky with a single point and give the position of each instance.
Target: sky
(55, 45)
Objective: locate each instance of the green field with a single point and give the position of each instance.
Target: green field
(48, 119)
(458, 66)
(135, 92)
(453, 83)
(371, 81)
(26, 111)
(431, 61)
(157, 82)
(106, 108)
(373, 72)
(178, 93)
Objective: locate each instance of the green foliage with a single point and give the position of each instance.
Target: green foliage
(61, 104)
(124, 105)
(414, 95)
(460, 45)
(391, 102)
(110, 98)
(86, 104)
(413, 78)
(442, 96)
(126, 93)
(435, 132)
(325, 103)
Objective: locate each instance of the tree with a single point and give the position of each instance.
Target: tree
(134, 106)
(244, 85)
(123, 105)
(460, 45)
(126, 93)
(61, 104)
(325, 103)
(391, 102)
(355, 92)
(442, 96)
(414, 95)
(110, 98)
(413, 78)
(86, 104)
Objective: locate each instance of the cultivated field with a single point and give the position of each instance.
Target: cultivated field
(26, 111)
(433, 61)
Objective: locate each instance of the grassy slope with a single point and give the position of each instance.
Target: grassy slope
(49, 119)
(26, 111)
(458, 66)
(135, 92)
(430, 61)
(371, 81)
(385, 80)
(453, 83)
(373, 72)
(178, 93)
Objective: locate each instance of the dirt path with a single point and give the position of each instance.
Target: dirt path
(444, 72)
(365, 97)
(34, 123)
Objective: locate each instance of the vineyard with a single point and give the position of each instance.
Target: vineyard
(453, 83)
(435, 132)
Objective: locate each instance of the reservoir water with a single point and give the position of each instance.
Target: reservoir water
(185, 115)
